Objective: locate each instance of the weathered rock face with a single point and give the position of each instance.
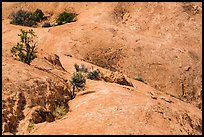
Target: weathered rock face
(116, 77)
(27, 87)
(12, 112)
(54, 59)
(110, 109)
(41, 115)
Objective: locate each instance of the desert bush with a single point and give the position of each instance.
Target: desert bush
(59, 111)
(38, 15)
(26, 18)
(24, 51)
(94, 75)
(81, 68)
(78, 80)
(22, 18)
(65, 17)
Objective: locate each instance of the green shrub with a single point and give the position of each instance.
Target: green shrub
(78, 80)
(94, 75)
(24, 51)
(26, 18)
(38, 15)
(65, 17)
(81, 68)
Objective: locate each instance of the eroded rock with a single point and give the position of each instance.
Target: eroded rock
(116, 77)
(37, 88)
(54, 59)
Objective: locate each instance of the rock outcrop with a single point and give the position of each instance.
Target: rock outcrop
(27, 87)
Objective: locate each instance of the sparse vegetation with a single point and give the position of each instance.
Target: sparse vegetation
(59, 111)
(77, 81)
(31, 125)
(139, 78)
(38, 15)
(81, 68)
(26, 18)
(24, 51)
(65, 17)
(22, 18)
(94, 75)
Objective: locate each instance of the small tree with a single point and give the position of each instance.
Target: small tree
(24, 51)
(77, 81)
